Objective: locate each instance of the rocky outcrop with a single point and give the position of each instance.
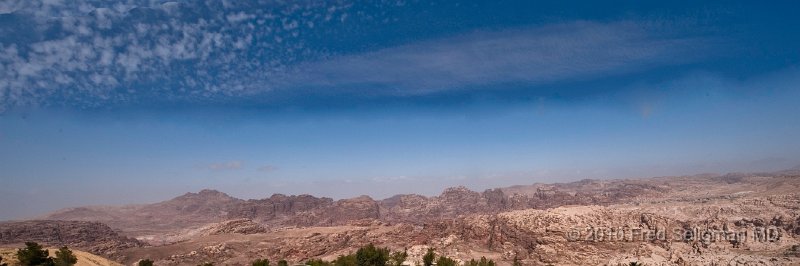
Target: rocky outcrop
(238, 226)
(278, 207)
(94, 237)
(452, 203)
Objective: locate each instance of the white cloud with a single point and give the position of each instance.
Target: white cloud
(535, 55)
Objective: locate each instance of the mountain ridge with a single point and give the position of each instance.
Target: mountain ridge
(194, 209)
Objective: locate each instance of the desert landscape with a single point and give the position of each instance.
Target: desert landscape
(399, 133)
(732, 219)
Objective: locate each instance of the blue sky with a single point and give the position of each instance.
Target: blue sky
(114, 102)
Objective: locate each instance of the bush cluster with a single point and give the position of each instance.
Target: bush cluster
(35, 255)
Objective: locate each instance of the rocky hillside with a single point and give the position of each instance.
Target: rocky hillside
(94, 237)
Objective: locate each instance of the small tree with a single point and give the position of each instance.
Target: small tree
(317, 262)
(33, 254)
(145, 262)
(482, 262)
(372, 256)
(283, 263)
(397, 258)
(206, 264)
(64, 257)
(427, 260)
(349, 260)
(261, 262)
(1, 262)
(445, 261)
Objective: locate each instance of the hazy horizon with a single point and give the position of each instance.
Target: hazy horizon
(117, 102)
(430, 191)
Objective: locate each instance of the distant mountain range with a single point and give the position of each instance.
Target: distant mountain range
(210, 206)
(529, 222)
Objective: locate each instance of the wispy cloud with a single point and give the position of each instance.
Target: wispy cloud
(550, 53)
(231, 165)
(98, 53)
(92, 53)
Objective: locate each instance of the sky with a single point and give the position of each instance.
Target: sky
(120, 102)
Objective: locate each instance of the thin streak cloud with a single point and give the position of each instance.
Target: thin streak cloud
(578, 50)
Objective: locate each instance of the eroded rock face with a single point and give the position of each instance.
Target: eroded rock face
(278, 207)
(89, 236)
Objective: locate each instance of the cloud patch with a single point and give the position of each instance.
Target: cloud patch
(231, 165)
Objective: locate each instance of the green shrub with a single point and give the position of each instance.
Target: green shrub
(427, 260)
(33, 254)
(64, 257)
(318, 262)
(346, 260)
(145, 262)
(482, 262)
(372, 256)
(445, 261)
(397, 258)
(261, 262)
